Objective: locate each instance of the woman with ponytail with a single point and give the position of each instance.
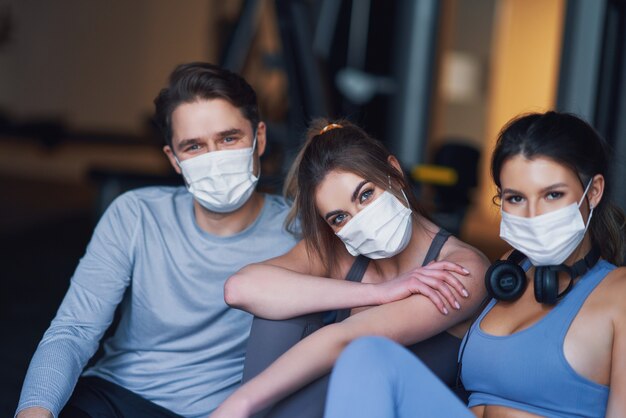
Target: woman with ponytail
(407, 279)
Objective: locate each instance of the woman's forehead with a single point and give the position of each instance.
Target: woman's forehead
(336, 186)
(521, 171)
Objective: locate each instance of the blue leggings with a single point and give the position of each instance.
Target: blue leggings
(375, 377)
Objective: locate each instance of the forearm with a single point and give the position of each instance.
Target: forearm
(277, 293)
(54, 370)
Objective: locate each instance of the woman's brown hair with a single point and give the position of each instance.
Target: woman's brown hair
(344, 147)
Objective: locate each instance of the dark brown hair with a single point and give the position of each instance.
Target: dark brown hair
(346, 148)
(203, 81)
(568, 140)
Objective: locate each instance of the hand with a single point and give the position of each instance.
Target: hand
(35, 412)
(434, 281)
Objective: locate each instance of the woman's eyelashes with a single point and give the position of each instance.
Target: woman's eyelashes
(554, 195)
(513, 199)
(338, 220)
(516, 199)
(366, 195)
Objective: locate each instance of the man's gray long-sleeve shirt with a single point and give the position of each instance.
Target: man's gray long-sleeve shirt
(177, 344)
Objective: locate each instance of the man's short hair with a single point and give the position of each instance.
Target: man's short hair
(203, 81)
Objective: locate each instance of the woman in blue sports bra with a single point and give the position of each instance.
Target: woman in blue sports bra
(405, 278)
(552, 340)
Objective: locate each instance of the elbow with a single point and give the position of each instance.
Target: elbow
(235, 290)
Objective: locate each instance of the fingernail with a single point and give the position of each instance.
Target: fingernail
(456, 305)
(466, 271)
(464, 292)
(445, 311)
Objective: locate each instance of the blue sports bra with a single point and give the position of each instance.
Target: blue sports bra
(528, 370)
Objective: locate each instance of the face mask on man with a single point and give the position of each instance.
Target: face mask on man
(381, 229)
(548, 239)
(221, 181)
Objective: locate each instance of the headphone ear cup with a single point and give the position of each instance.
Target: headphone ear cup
(505, 280)
(546, 285)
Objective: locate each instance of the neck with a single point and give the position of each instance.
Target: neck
(225, 224)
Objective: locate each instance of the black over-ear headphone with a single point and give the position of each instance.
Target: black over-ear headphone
(506, 279)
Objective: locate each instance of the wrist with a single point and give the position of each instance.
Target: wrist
(35, 412)
(375, 295)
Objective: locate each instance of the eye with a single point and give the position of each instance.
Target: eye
(338, 220)
(366, 195)
(229, 140)
(514, 199)
(192, 147)
(554, 195)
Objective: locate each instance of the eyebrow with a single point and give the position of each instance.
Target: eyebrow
(357, 189)
(229, 132)
(352, 199)
(545, 189)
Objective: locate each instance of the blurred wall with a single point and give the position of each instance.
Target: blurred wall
(98, 65)
(461, 105)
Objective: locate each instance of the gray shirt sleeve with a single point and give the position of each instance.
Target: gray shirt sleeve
(87, 310)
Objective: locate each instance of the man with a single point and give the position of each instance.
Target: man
(163, 255)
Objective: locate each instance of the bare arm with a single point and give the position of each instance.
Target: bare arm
(406, 321)
(292, 285)
(617, 396)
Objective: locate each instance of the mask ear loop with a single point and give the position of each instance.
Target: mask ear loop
(585, 193)
(254, 142)
(590, 205)
(408, 204)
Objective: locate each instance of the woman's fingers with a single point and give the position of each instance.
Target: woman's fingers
(442, 288)
(447, 265)
(434, 297)
(445, 276)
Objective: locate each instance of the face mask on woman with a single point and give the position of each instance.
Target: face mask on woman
(221, 181)
(548, 239)
(380, 230)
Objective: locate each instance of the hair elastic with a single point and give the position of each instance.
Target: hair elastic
(330, 127)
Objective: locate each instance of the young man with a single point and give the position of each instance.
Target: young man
(163, 254)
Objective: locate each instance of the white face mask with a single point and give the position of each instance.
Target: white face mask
(548, 239)
(221, 181)
(381, 230)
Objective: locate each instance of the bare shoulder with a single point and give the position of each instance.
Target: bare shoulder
(299, 259)
(612, 293)
(466, 255)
